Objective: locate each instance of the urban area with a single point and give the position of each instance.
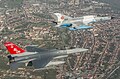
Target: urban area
(28, 22)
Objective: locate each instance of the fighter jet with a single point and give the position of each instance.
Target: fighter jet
(77, 23)
(36, 57)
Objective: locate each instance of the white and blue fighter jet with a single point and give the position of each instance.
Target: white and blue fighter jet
(77, 23)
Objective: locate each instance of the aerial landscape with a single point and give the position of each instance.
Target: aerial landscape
(59, 39)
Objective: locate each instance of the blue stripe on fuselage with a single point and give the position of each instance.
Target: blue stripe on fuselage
(82, 27)
(66, 25)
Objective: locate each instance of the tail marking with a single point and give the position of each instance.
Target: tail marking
(13, 49)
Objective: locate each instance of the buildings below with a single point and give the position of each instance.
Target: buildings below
(30, 24)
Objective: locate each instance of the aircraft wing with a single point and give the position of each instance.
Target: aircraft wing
(15, 65)
(45, 62)
(77, 26)
(40, 63)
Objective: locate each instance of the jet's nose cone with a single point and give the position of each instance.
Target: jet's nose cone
(76, 50)
(82, 49)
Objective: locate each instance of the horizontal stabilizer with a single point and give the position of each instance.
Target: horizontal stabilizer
(15, 65)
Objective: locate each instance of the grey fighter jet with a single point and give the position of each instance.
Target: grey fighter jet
(36, 57)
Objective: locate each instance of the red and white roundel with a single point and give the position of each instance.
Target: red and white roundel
(62, 17)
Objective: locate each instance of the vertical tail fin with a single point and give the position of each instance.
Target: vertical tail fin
(13, 49)
(60, 17)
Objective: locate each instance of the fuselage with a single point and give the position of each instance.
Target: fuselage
(36, 57)
(85, 20)
(46, 54)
